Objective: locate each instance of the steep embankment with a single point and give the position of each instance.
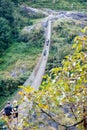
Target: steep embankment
(18, 52)
(19, 61)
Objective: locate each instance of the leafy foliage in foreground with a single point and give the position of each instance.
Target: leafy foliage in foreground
(65, 89)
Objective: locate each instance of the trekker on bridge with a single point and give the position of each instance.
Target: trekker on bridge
(45, 52)
(47, 42)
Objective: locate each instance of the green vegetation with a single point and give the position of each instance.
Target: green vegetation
(23, 52)
(19, 51)
(2, 123)
(5, 31)
(6, 24)
(19, 60)
(80, 5)
(12, 19)
(63, 32)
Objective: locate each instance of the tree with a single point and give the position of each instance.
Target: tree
(5, 34)
(16, 2)
(65, 88)
(6, 10)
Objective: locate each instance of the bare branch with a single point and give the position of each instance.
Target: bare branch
(52, 118)
(77, 123)
(67, 127)
(73, 113)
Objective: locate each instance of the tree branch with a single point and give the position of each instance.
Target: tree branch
(77, 123)
(43, 111)
(67, 127)
(73, 113)
(52, 118)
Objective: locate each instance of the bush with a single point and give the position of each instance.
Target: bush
(32, 38)
(5, 32)
(2, 124)
(8, 86)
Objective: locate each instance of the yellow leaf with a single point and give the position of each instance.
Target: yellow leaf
(82, 30)
(74, 46)
(21, 87)
(21, 93)
(45, 106)
(28, 89)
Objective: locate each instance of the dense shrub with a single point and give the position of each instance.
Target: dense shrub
(9, 85)
(32, 38)
(2, 124)
(5, 34)
(6, 10)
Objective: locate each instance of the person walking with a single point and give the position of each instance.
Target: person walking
(15, 110)
(7, 111)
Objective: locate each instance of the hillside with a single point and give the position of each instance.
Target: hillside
(79, 5)
(19, 51)
(18, 48)
(64, 31)
(25, 29)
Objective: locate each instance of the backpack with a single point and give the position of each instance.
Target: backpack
(15, 113)
(8, 110)
(15, 108)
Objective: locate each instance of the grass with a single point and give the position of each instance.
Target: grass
(59, 4)
(63, 33)
(22, 55)
(35, 21)
(19, 54)
(17, 57)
